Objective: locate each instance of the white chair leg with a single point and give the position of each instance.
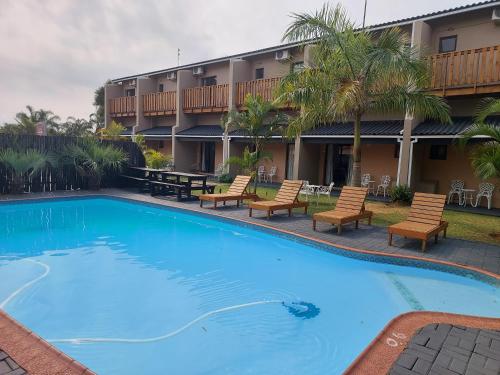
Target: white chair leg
(489, 203)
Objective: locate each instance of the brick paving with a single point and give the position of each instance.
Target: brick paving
(468, 253)
(8, 366)
(444, 349)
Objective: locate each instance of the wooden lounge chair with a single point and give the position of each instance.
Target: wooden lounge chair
(236, 192)
(424, 219)
(286, 199)
(350, 207)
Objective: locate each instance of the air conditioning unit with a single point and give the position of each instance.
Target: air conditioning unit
(282, 55)
(172, 76)
(198, 71)
(495, 16)
(133, 83)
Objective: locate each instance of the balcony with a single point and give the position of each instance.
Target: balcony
(122, 107)
(206, 99)
(159, 103)
(468, 72)
(263, 87)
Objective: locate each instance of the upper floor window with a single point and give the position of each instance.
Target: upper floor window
(438, 152)
(160, 87)
(209, 81)
(130, 92)
(259, 73)
(448, 44)
(297, 66)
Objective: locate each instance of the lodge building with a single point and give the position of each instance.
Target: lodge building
(178, 110)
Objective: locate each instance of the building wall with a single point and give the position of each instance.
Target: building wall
(168, 85)
(220, 70)
(155, 145)
(278, 151)
(272, 67)
(439, 173)
(163, 121)
(473, 31)
(218, 154)
(378, 160)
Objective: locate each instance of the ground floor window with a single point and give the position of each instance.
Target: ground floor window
(338, 162)
(207, 153)
(438, 152)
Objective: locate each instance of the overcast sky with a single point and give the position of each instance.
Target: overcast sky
(54, 53)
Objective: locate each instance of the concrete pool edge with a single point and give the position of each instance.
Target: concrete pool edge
(33, 353)
(432, 264)
(379, 356)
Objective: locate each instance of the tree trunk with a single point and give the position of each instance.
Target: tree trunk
(356, 153)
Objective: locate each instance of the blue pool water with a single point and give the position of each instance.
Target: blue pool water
(104, 268)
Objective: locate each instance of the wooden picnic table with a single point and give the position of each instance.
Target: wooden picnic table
(180, 184)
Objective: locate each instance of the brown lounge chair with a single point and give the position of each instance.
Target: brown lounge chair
(286, 199)
(236, 192)
(350, 207)
(424, 219)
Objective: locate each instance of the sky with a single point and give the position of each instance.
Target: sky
(55, 53)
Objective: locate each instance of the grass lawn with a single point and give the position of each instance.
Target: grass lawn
(461, 224)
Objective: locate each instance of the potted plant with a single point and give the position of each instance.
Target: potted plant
(22, 165)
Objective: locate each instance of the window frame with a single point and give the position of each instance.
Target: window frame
(438, 152)
(204, 81)
(161, 87)
(295, 64)
(260, 70)
(444, 38)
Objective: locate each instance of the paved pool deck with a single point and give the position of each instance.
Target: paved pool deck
(369, 240)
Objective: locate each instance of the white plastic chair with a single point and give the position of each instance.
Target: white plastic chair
(271, 174)
(365, 182)
(486, 190)
(325, 190)
(385, 181)
(457, 187)
(306, 189)
(261, 173)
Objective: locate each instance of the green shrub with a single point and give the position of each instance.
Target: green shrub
(226, 178)
(157, 160)
(402, 194)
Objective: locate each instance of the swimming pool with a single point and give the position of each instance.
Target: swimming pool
(110, 269)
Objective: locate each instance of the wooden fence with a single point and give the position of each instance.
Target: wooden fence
(59, 177)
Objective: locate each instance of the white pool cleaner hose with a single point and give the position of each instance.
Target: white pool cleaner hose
(82, 340)
(28, 284)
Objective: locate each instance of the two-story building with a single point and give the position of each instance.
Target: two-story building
(179, 109)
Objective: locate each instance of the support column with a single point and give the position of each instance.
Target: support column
(182, 155)
(144, 86)
(420, 39)
(298, 166)
(239, 71)
(111, 91)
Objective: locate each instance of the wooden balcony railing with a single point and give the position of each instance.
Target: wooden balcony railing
(206, 99)
(159, 103)
(472, 71)
(263, 87)
(122, 107)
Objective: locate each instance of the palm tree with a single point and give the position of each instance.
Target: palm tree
(93, 159)
(248, 163)
(27, 121)
(80, 127)
(486, 155)
(23, 164)
(258, 122)
(354, 73)
(113, 131)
